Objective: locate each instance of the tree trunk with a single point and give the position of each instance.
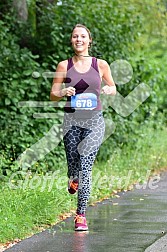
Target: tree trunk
(51, 1)
(21, 9)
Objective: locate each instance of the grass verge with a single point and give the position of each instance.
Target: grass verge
(37, 202)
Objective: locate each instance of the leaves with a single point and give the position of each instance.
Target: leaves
(120, 30)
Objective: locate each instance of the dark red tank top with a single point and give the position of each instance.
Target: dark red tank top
(88, 82)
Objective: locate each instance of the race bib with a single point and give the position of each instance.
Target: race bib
(84, 101)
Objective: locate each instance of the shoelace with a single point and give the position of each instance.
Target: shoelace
(74, 185)
(80, 219)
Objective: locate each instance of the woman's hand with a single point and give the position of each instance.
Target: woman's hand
(109, 90)
(68, 91)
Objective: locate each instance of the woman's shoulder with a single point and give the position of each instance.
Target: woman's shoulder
(102, 63)
(63, 64)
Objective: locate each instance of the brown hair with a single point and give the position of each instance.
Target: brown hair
(88, 31)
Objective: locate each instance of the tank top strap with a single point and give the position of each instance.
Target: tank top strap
(70, 64)
(94, 64)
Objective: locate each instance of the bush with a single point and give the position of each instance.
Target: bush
(39, 44)
(19, 129)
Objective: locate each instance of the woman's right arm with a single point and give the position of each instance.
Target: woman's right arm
(56, 91)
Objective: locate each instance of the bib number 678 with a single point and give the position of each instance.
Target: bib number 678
(84, 103)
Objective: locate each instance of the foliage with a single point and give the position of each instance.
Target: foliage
(19, 128)
(120, 30)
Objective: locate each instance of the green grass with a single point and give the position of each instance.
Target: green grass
(26, 211)
(29, 205)
(131, 165)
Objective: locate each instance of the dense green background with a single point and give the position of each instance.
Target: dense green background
(37, 37)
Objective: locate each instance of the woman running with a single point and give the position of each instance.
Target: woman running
(83, 125)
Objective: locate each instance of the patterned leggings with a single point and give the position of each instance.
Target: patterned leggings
(82, 139)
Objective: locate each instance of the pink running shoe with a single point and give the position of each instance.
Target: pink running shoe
(73, 185)
(80, 222)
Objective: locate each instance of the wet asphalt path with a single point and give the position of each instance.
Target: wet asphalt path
(134, 222)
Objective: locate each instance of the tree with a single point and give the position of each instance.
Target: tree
(21, 9)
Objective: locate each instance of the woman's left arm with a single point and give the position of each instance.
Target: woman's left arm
(109, 87)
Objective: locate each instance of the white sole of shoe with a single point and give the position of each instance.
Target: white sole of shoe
(81, 229)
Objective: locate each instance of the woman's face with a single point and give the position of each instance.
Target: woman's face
(80, 39)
